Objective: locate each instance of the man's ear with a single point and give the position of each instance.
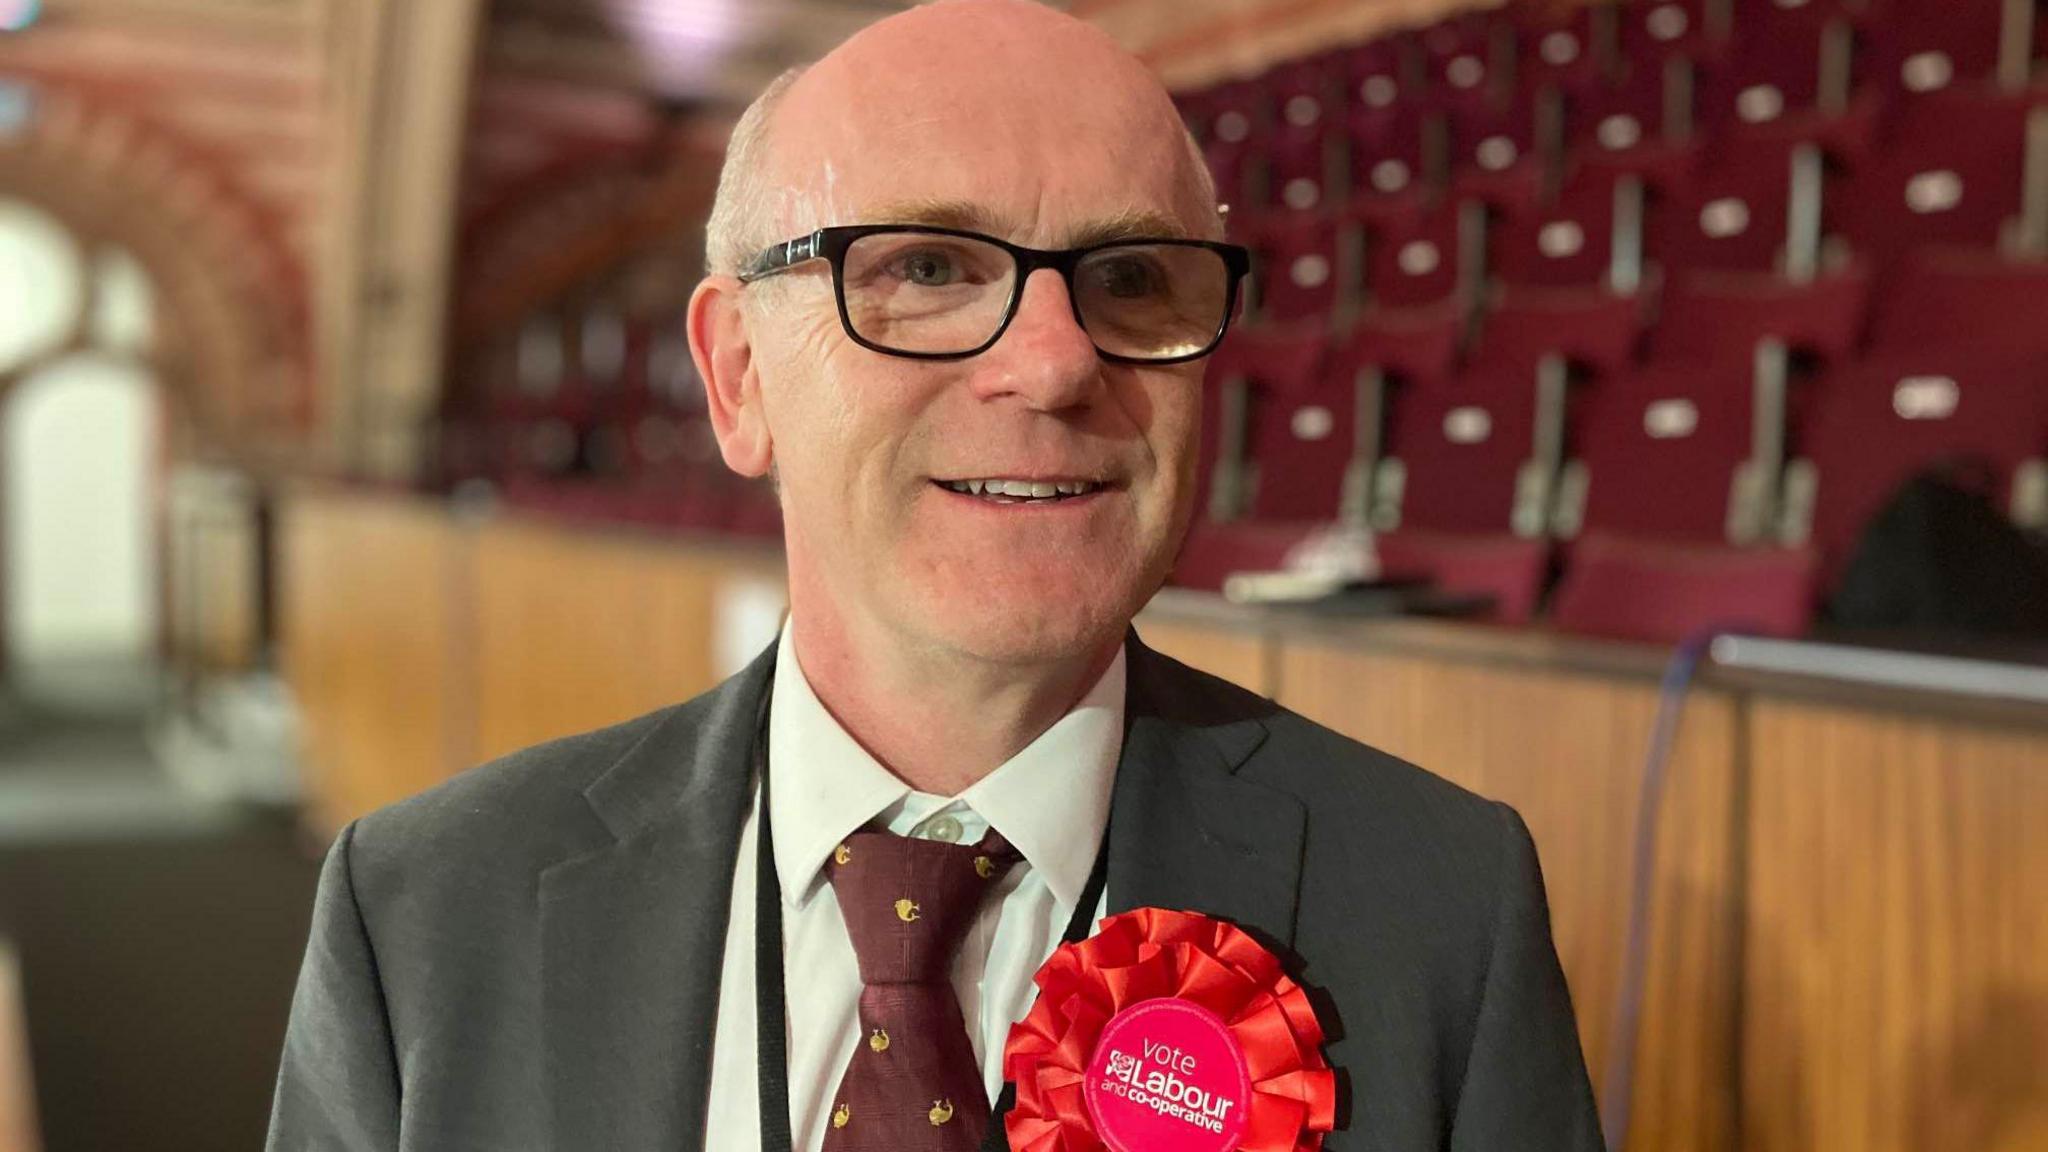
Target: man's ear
(724, 355)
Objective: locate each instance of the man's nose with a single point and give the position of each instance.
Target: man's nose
(1044, 356)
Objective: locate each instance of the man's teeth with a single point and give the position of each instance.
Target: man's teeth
(1024, 489)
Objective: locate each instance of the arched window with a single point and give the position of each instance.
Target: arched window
(81, 440)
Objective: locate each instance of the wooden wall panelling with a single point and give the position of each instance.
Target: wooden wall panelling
(1896, 961)
(1567, 751)
(372, 628)
(578, 629)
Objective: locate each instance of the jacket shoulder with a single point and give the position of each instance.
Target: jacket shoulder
(528, 805)
(514, 788)
(1322, 767)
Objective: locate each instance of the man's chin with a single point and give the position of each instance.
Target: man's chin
(1032, 608)
(1030, 633)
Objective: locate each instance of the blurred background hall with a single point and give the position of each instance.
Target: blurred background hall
(1639, 414)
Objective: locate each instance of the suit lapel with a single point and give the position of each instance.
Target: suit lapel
(632, 935)
(1186, 831)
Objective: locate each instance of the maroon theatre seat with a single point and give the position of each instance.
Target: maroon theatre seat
(1212, 552)
(1377, 75)
(1767, 76)
(1411, 343)
(1768, 88)
(1412, 255)
(1568, 242)
(1621, 129)
(1492, 151)
(1594, 330)
(1562, 48)
(1295, 152)
(1294, 165)
(1761, 18)
(1731, 216)
(1878, 421)
(1721, 316)
(1660, 447)
(1388, 153)
(1265, 358)
(1940, 297)
(1297, 91)
(1297, 260)
(1664, 593)
(1300, 424)
(1225, 114)
(1919, 47)
(1387, 351)
(1950, 171)
(1460, 442)
(1657, 29)
(1459, 55)
(1510, 569)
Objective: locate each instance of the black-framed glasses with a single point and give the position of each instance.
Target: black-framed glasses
(944, 294)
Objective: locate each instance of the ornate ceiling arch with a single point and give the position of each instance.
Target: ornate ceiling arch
(233, 328)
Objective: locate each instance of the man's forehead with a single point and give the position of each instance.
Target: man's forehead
(1078, 231)
(1034, 125)
(1034, 176)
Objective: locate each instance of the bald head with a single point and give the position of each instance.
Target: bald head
(1019, 111)
(1010, 119)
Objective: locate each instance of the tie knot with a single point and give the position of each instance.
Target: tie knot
(908, 902)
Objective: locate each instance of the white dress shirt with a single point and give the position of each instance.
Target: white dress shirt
(1051, 801)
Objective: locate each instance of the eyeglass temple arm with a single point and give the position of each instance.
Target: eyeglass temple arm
(781, 257)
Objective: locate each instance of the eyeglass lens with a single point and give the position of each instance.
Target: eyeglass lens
(938, 294)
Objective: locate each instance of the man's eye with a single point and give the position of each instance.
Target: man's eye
(1127, 279)
(929, 269)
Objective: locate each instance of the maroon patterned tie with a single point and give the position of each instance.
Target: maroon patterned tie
(913, 1082)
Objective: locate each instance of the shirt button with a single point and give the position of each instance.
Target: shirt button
(945, 829)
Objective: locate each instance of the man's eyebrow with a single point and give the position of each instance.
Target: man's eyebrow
(967, 216)
(963, 215)
(1130, 224)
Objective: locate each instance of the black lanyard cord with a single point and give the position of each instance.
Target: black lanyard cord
(771, 1024)
(771, 1015)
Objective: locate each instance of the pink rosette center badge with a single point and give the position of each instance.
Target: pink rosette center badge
(1168, 1031)
(1168, 1074)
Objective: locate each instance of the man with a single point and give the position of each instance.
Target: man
(984, 446)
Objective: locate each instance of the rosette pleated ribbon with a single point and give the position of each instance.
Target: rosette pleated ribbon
(1151, 953)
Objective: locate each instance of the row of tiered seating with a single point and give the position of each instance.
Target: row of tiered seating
(1670, 293)
(599, 416)
(1740, 421)
(1905, 102)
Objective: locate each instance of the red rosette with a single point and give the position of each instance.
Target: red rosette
(1152, 954)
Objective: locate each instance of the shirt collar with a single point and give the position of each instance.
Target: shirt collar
(1050, 800)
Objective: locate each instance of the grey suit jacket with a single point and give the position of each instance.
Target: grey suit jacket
(527, 957)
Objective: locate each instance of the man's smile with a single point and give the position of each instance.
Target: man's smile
(1007, 490)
